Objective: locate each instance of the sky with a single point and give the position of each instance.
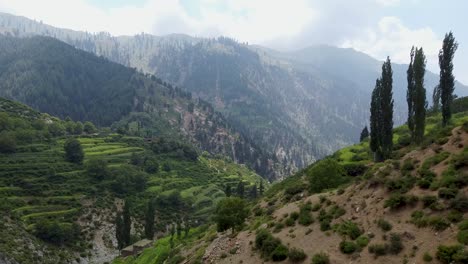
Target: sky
(379, 28)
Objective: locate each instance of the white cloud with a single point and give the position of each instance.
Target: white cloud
(392, 38)
(388, 2)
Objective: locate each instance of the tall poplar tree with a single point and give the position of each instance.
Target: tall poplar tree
(149, 220)
(436, 99)
(419, 96)
(386, 104)
(447, 80)
(410, 94)
(119, 231)
(381, 119)
(127, 224)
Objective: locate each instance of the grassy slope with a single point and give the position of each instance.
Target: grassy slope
(37, 183)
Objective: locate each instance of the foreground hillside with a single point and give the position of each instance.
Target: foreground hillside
(54, 210)
(347, 209)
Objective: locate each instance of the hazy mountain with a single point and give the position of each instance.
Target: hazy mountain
(56, 78)
(299, 105)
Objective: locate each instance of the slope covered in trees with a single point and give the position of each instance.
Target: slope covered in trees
(56, 78)
(55, 210)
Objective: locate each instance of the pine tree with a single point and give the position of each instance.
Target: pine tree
(127, 224)
(261, 189)
(364, 134)
(119, 231)
(149, 220)
(419, 96)
(436, 99)
(447, 80)
(410, 93)
(179, 229)
(253, 191)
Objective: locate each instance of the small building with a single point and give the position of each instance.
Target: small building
(136, 248)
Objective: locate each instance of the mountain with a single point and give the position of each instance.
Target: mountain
(56, 78)
(299, 106)
(57, 211)
(348, 209)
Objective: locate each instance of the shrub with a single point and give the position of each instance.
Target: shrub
(362, 241)
(348, 247)
(294, 215)
(396, 245)
(428, 200)
(296, 255)
(460, 204)
(354, 169)
(427, 257)
(378, 249)
(305, 217)
(278, 227)
(326, 174)
(398, 200)
(463, 225)
(448, 193)
(454, 216)
(289, 221)
(446, 254)
(280, 253)
(462, 237)
(384, 225)
(320, 258)
(408, 165)
(349, 229)
(461, 160)
(439, 223)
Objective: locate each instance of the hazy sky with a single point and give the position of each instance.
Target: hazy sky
(376, 27)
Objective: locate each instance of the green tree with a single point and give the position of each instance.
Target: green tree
(78, 130)
(240, 189)
(56, 129)
(436, 99)
(127, 224)
(149, 220)
(119, 230)
(7, 143)
(410, 93)
(364, 134)
(230, 213)
(89, 128)
(97, 169)
(261, 189)
(447, 80)
(228, 190)
(151, 165)
(419, 97)
(381, 119)
(179, 229)
(325, 174)
(253, 192)
(73, 151)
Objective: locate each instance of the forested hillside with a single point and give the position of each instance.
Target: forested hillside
(56, 78)
(63, 182)
(299, 105)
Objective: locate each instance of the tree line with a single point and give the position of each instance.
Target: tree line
(381, 108)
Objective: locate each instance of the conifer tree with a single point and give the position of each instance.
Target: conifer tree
(261, 189)
(419, 96)
(149, 220)
(447, 80)
(119, 231)
(127, 224)
(436, 99)
(364, 134)
(228, 190)
(374, 122)
(240, 189)
(253, 191)
(410, 93)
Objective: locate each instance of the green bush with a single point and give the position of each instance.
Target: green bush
(428, 200)
(439, 223)
(462, 237)
(378, 249)
(455, 216)
(320, 258)
(395, 245)
(296, 255)
(362, 241)
(325, 174)
(427, 257)
(446, 254)
(305, 217)
(460, 204)
(348, 247)
(398, 200)
(290, 222)
(355, 169)
(349, 229)
(384, 225)
(448, 193)
(280, 253)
